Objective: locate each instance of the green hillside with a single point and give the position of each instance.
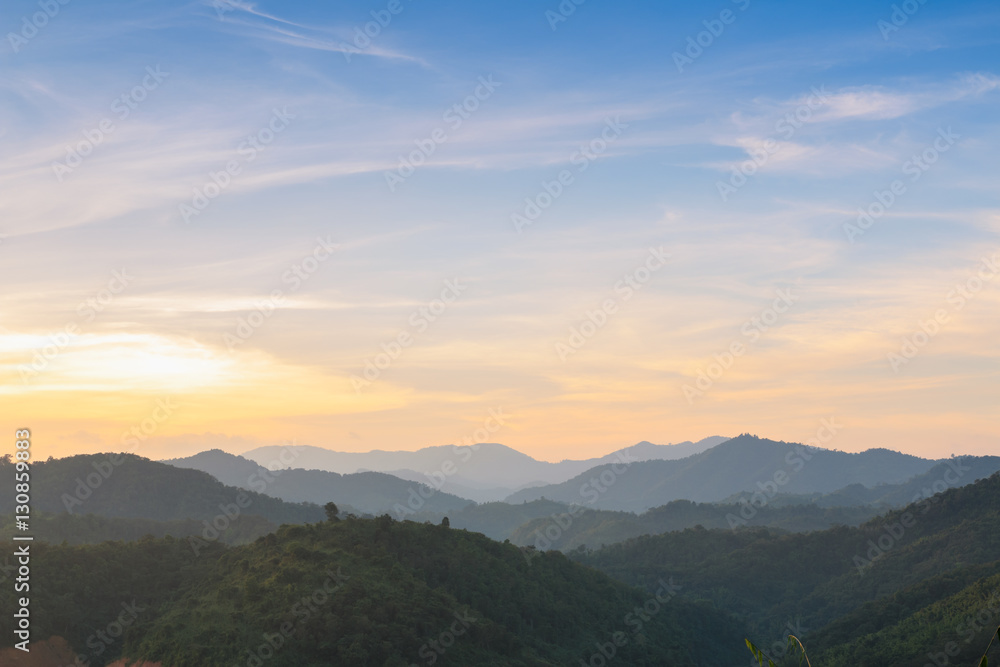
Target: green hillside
(768, 580)
(594, 528)
(952, 614)
(125, 485)
(364, 592)
(93, 529)
(891, 591)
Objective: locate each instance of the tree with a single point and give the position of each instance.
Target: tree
(331, 512)
(445, 522)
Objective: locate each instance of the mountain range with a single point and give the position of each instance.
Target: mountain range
(482, 472)
(747, 465)
(913, 585)
(746, 469)
(366, 492)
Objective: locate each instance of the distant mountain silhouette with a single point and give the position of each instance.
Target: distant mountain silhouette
(371, 492)
(482, 472)
(463, 488)
(743, 464)
(966, 469)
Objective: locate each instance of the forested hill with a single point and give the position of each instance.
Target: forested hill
(956, 471)
(745, 463)
(893, 588)
(567, 531)
(94, 529)
(903, 564)
(371, 492)
(365, 592)
(125, 485)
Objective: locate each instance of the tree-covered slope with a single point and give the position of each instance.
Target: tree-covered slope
(571, 529)
(958, 471)
(369, 492)
(364, 592)
(950, 616)
(90, 594)
(94, 529)
(745, 463)
(125, 485)
(767, 579)
(498, 520)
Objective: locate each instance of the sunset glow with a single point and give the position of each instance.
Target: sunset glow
(396, 240)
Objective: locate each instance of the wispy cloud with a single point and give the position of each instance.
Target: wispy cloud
(879, 103)
(808, 128)
(302, 36)
(233, 62)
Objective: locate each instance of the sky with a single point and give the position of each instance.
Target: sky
(563, 227)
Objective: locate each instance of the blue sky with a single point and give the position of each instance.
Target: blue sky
(646, 149)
